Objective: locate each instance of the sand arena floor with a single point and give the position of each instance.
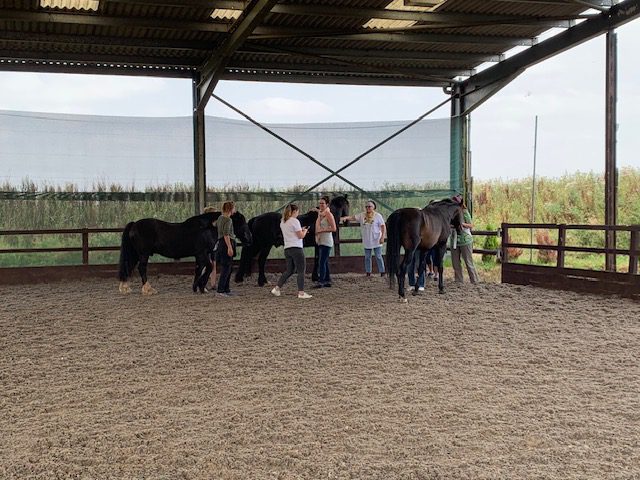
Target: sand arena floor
(487, 381)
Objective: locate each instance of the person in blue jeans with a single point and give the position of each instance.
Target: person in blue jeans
(325, 226)
(374, 232)
(411, 271)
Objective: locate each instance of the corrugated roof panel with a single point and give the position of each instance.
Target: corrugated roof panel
(225, 14)
(379, 23)
(175, 34)
(83, 5)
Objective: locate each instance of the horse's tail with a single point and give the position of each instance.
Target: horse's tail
(246, 259)
(393, 247)
(128, 254)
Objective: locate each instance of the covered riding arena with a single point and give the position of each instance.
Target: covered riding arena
(486, 381)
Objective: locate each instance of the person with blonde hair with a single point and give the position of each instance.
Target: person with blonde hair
(293, 233)
(373, 232)
(226, 248)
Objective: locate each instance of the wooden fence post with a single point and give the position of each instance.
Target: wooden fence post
(336, 248)
(634, 244)
(505, 241)
(85, 246)
(562, 242)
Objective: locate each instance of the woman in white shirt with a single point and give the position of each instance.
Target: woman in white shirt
(293, 233)
(374, 231)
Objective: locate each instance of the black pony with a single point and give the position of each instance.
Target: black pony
(424, 229)
(266, 233)
(195, 237)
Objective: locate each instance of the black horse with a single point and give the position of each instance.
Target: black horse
(266, 233)
(424, 229)
(195, 237)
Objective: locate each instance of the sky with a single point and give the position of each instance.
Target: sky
(566, 92)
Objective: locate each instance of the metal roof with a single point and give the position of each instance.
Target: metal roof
(377, 42)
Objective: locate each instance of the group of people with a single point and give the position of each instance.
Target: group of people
(373, 231)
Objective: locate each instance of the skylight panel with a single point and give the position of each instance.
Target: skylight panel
(379, 23)
(225, 14)
(87, 5)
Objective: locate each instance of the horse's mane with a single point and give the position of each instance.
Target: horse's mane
(440, 207)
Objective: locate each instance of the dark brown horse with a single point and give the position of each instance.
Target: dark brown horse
(195, 237)
(415, 229)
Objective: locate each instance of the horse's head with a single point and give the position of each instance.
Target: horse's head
(241, 228)
(456, 213)
(207, 220)
(339, 207)
(308, 219)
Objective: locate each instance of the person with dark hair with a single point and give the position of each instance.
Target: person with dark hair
(373, 230)
(325, 226)
(293, 235)
(212, 256)
(464, 247)
(226, 248)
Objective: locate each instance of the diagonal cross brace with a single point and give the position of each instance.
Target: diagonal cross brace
(299, 150)
(375, 147)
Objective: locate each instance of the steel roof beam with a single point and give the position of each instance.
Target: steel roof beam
(100, 20)
(481, 86)
(440, 73)
(92, 69)
(450, 19)
(589, 3)
(416, 56)
(329, 79)
(212, 68)
(268, 33)
(90, 57)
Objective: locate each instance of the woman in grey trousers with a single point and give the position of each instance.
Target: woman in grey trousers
(293, 233)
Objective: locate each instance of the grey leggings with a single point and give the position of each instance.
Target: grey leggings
(295, 263)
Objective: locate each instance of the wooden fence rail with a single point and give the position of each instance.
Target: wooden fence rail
(582, 280)
(85, 246)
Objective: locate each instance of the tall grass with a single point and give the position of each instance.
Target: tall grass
(577, 198)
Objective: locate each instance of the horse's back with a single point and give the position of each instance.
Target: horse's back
(171, 240)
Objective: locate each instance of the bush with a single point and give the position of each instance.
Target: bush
(545, 256)
(490, 243)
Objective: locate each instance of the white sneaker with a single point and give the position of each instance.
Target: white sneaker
(421, 289)
(304, 295)
(276, 291)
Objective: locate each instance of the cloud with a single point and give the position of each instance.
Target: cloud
(86, 94)
(287, 109)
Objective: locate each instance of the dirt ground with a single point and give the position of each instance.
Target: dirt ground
(486, 381)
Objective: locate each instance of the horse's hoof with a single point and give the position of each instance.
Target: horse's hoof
(414, 293)
(148, 289)
(124, 288)
(441, 290)
(403, 300)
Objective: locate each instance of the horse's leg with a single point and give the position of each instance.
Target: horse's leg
(439, 257)
(421, 266)
(262, 260)
(142, 268)
(402, 273)
(203, 270)
(205, 262)
(196, 276)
